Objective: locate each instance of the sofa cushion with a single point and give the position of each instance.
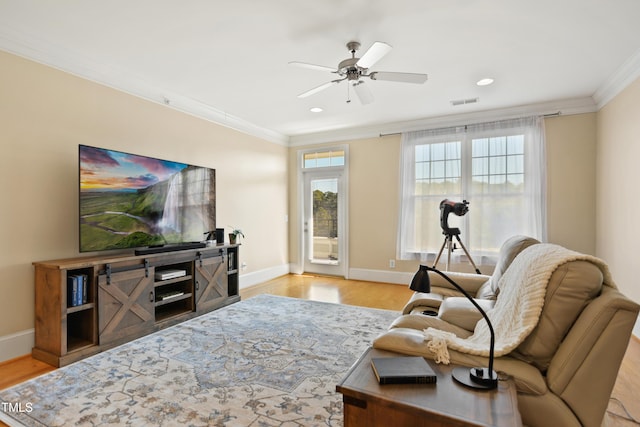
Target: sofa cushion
(461, 312)
(508, 251)
(571, 287)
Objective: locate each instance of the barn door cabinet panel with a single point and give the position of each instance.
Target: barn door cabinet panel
(211, 282)
(126, 304)
(86, 305)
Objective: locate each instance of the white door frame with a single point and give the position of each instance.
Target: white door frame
(304, 177)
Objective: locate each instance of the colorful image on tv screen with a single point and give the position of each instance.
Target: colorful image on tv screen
(129, 201)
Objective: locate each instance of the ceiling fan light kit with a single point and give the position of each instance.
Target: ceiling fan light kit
(354, 69)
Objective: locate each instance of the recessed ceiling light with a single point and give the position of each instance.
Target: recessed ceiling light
(316, 110)
(484, 82)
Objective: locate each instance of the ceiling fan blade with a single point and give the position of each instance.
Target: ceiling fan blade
(364, 93)
(312, 66)
(375, 53)
(319, 88)
(399, 77)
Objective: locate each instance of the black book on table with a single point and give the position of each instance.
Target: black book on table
(403, 370)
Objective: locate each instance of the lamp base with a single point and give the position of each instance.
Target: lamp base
(479, 378)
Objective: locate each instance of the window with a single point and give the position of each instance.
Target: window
(497, 167)
(323, 159)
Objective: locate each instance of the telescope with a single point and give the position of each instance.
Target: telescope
(446, 207)
(458, 208)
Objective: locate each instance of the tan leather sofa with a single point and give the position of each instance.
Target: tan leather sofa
(565, 369)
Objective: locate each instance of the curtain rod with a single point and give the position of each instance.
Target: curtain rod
(556, 114)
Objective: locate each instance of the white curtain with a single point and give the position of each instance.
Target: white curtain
(499, 167)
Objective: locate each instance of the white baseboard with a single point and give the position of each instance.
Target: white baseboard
(16, 345)
(636, 328)
(384, 276)
(257, 277)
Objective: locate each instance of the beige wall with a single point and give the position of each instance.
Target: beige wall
(373, 206)
(374, 192)
(45, 114)
(618, 172)
(571, 181)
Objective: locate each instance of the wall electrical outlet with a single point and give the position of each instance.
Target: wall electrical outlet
(392, 263)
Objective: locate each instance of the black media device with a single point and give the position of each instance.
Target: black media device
(220, 235)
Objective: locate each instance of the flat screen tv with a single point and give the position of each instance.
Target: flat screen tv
(132, 201)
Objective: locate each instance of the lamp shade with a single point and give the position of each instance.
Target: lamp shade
(421, 281)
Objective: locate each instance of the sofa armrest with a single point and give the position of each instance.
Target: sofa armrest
(426, 301)
(590, 355)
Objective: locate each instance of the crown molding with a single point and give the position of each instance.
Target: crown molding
(562, 107)
(628, 72)
(41, 51)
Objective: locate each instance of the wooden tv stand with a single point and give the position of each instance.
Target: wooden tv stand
(124, 299)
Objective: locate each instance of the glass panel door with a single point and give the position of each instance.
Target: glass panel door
(324, 239)
(323, 223)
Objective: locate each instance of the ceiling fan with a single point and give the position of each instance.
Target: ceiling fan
(355, 69)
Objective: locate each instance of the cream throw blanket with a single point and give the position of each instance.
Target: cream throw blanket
(517, 310)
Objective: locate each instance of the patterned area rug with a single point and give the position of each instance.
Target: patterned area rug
(265, 361)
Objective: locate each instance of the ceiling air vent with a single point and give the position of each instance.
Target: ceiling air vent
(464, 101)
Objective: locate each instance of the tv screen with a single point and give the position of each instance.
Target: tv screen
(133, 201)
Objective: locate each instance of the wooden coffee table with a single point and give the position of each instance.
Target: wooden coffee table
(446, 403)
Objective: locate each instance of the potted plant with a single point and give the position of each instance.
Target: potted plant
(235, 235)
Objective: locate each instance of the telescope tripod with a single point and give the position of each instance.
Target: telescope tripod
(448, 242)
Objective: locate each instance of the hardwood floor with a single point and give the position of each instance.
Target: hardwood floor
(623, 408)
(21, 369)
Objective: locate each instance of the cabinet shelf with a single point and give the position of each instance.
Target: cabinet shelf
(77, 343)
(175, 309)
(171, 300)
(82, 307)
(170, 281)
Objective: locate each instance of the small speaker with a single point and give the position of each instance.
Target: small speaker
(220, 235)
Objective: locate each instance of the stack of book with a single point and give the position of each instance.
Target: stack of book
(77, 285)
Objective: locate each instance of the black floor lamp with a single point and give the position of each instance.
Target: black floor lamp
(481, 378)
